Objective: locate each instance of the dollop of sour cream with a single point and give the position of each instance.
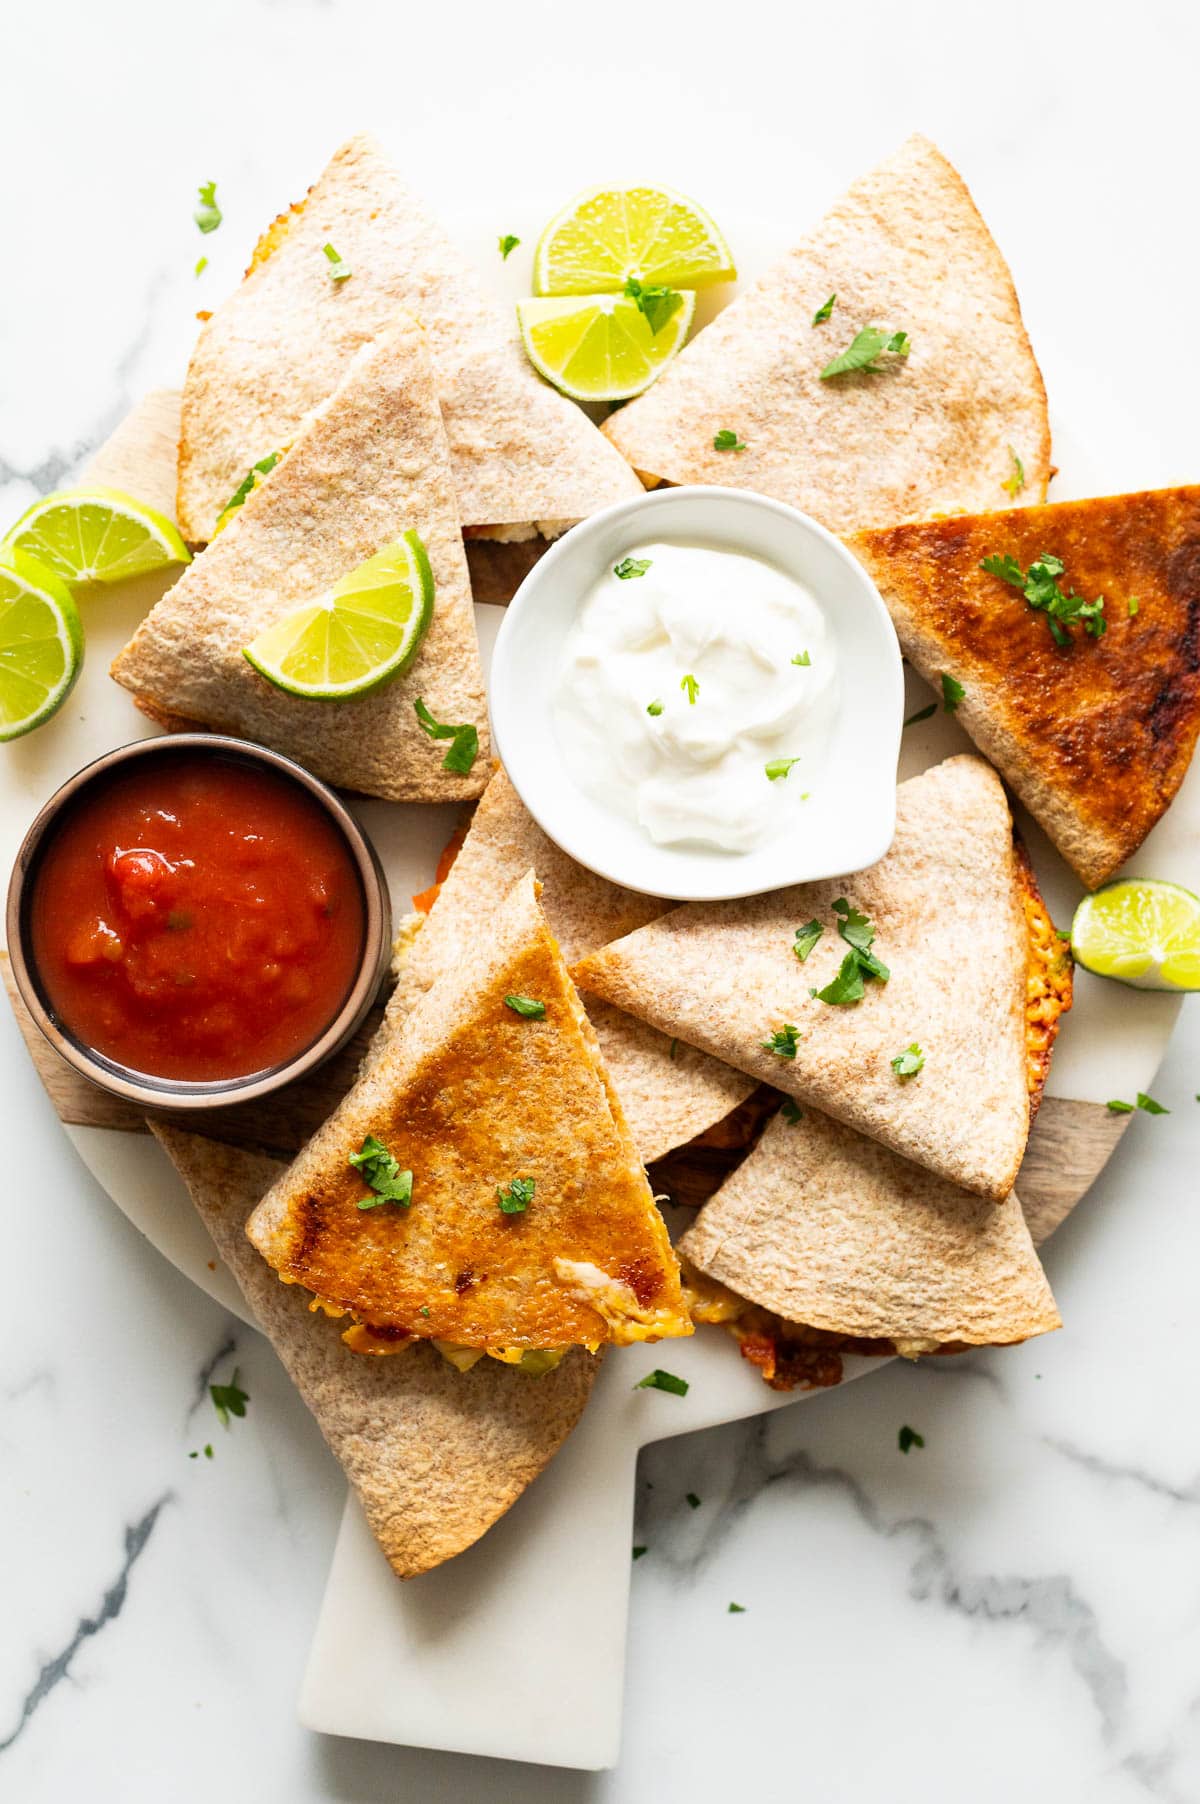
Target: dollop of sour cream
(697, 695)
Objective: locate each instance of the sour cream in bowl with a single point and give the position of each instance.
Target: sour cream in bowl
(698, 694)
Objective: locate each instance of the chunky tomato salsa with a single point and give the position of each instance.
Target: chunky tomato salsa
(196, 918)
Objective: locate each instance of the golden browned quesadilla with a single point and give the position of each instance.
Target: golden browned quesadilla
(936, 427)
(279, 346)
(436, 1455)
(669, 1092)
(368, 466)
(941, 911)
(506, 1207)
(1094, 733)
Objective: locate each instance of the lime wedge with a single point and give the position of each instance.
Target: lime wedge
(366, 631)
(599, 347)
(95, 535)
(1141, 932)
(606, 235)
(41, 644)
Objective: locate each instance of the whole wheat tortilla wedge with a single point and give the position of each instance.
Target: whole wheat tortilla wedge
(435, 1455)
(370, 464)
(1094, 736)
(473, 1097)
(670, 1092)
(832, 1231)
(281, 343)
(946, 903)
(933, 432)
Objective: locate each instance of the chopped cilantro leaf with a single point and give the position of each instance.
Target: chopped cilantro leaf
(806, 938)
(201, 265)
(725, 440)
(1040, 587)
(784, 1041)
(1149, 1106)
(1133, 606)
(791, 1111)
(516, 1197)
(228, 1400)
(952, 692)
(908, 1437)
(464, 748)
(691, 688)
(338, 270)
(909, 1062)
(655, 302)
(1016, 482)
(693, 1500)
(803, 658)
(632, 566)
(639, 1551)
(527, 1006)
(382, 1175)
(736, 1610)
(658, 1380)
(654, 708)
(779, 767)
(507, 245)
(824, 310)
(922, 714)
(208, 1452)
(1116, 1107)
(424, 1310)
(860, 354)
(847, 986)
(207, 214)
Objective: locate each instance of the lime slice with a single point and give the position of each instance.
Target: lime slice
(1141, 932)
(41, 644)
(96, 535)
(366, 631)
(609, 234)
(599, 347)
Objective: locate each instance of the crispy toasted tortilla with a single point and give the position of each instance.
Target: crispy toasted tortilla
(835, 1233)
(521, 453)
(472, 1096)
(669, 1092)
(370, 464)
(946, 905)
(435, 1455)
(1094, 736)
(931, 433)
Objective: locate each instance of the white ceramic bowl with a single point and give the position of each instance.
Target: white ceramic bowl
(850, 820)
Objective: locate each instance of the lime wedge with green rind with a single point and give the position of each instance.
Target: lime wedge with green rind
(606, 235)
(1142, 932)
(365, 632)
(96, 535)
(599, 347)
(41, 643)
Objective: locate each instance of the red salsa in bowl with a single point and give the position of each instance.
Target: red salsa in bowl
(197, 916)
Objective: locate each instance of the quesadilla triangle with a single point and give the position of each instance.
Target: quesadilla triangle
(669, 1091)
(1094, 733)
(436, 1455)
(523, 1218)
(936, 426)
(777, 984)
(836, 1234)
(523, 456)
(370, 465)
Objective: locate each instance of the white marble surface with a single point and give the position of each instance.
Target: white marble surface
(1014, 1610)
